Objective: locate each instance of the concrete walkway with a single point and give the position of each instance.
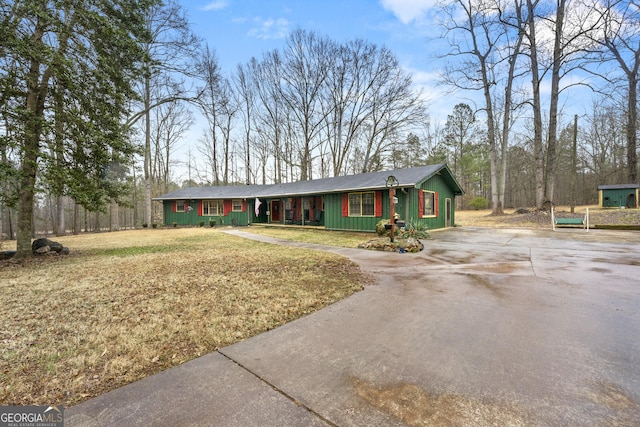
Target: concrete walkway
(483, 327)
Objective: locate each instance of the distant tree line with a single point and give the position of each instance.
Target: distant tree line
(96, 97)
(527, 58)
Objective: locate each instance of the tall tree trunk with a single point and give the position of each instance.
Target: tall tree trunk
(135, 197)
(508, 103)
(574, 163)
(5, 211)
(36, 94)
(537, 108)
(147, 150)
(60, 227)
(248, 156)
(76, 218)
(57, 154)
(114, 216)
(491, 136)
(552, 138)
(632, 120)
(27, 182)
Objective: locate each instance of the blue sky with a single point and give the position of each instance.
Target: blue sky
(241, 29)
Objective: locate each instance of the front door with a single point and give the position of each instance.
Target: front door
(448, 215)
(275, 211)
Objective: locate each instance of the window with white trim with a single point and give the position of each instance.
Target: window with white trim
(237, 205)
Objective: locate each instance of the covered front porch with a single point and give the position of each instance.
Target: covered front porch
(300, 211)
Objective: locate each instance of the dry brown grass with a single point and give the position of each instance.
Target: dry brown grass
(129, 304)
(484, 218)
(346, 239)
(542, 219)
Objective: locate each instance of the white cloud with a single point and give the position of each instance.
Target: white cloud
(215, 5)
(408, 10)
(270, 28)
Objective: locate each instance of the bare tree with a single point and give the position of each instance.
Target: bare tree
(270, 116)
(619, 38)
(228, 110)
(557, 60)
(603, 146)
(395, 106)
(350, 88)
(306, 60)
(333, 108)
(513, 46)
(169, 49)
(245, 93)
(529, 22)
(556, 56)
(483, 34)
(171, 121)
(208, 71)
(369, 100)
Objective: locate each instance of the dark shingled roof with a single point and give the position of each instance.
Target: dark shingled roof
(618, 186)
(411, 177)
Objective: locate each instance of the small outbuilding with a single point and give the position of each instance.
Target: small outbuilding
(618, 195)
(423, 195)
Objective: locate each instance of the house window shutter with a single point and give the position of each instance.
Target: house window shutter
(199, 207)
(227, 206)
(244, 206)
(378, 209)
(420, 203)
(174, 206)
(345, 204)
(435, 204)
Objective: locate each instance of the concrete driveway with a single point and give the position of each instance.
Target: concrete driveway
(484, 327)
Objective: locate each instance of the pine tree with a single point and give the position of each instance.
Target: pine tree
(66, 78)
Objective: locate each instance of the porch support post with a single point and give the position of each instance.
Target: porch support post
(392, 183)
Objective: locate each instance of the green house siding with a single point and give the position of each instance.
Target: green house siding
(443, 191)
(407, 208)
(338, 203)
(193, 216)
(619, 197)
(334, 219)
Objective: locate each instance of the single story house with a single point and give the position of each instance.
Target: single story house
(423, 194)
(618, 195)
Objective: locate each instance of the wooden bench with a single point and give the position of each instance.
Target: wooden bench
(570, 222)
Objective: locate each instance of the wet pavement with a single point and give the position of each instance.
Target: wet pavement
(483, 327)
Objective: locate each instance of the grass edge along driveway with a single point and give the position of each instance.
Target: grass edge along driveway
(129, 304)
